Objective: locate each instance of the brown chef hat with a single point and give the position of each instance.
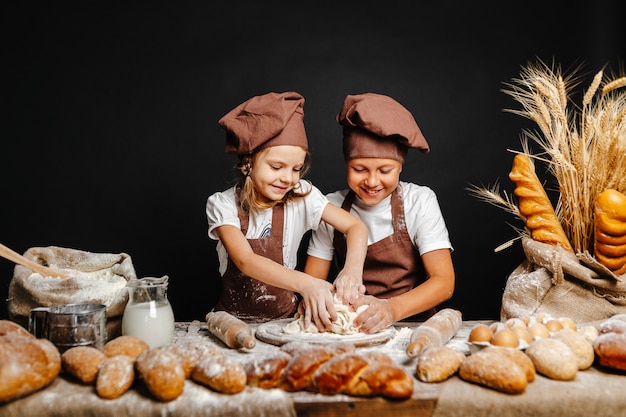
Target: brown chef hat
(271, 119)
(377, 126)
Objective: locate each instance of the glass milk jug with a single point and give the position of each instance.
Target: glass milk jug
(148, 314)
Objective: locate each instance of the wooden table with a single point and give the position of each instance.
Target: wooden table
(594, 392)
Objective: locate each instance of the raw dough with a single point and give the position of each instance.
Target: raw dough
(343, 325)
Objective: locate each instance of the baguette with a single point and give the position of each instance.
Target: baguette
(535, 206)
(434, 332)
(493, 368)
(610, 230)
(235, 333)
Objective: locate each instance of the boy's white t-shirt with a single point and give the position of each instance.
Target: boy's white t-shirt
(301, 215)
(424, 221)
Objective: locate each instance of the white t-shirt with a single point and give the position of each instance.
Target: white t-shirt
(301, 215)
(424, 221)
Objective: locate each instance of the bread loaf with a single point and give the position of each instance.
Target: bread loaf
(162, 373)
(381, 379)
(125, 345)
(220, 373)
(332, 377)
(579, 345)
(436, 364)
(229, 329)
(115, 376)
(297, 374)
(82, 362)
(553, 359)
(493, 367)
(27, 364)
(610, 230)
(265, 371)
(434, 332)
(535, 206)
(610, 345)
(190, 350)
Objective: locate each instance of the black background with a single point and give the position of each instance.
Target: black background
(110, 136)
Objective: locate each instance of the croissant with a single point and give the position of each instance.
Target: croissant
(610, 230)
(535, 205)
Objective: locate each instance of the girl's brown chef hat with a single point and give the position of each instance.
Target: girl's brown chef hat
(272, 119)
(377, 126)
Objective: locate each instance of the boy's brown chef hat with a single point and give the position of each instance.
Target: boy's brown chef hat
(272, 119)
(377, 126)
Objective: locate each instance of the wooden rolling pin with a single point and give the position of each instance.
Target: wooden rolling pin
(229, 329)
(434, 332)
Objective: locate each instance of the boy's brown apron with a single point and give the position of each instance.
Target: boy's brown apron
(250, 299)
(393, 265)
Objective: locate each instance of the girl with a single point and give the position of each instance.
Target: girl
(409, 268)
(259, 223)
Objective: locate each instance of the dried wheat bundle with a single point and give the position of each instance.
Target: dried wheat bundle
(583, 146)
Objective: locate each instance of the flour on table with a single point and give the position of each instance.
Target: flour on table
(343, 325)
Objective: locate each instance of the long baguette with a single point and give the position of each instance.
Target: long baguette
(229, 329)
(434, 332)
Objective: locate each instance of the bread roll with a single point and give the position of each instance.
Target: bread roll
(115, 376)
(579, 345)
(8, 327)
(535, 206)
(434, 332)
(553, 359)
(492, 367)
(82, 362)
(220, 373)
(190, 350)
(162, 373)
(27, 364)
(610, 345)
(610, 230)
(229, 329)
(437, 364)
(125, 345)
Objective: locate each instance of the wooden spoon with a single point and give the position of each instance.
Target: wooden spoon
(33, 266)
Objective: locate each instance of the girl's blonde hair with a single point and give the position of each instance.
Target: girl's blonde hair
(249, 198)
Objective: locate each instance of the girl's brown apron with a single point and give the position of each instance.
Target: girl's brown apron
(393, 265)
(250, 299)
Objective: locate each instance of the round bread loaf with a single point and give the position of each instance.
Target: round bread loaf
(82, 362)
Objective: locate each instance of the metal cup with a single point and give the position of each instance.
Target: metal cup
(70, 325)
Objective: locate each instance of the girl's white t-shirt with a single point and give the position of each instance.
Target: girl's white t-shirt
(301, 215)
(424, 221)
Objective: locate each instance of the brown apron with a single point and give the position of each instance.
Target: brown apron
(250, 299)
(393, 265)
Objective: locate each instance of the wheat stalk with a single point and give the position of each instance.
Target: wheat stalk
(585, 150)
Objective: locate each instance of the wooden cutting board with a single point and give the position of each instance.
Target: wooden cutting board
(272, 332)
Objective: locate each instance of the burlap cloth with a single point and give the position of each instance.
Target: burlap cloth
(95, 278)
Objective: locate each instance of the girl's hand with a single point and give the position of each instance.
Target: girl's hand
(376, 317)
(317, 304)
(349, 287)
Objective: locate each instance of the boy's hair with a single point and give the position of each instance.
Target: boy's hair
(248, 194)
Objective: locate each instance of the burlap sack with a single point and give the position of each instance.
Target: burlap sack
(555, 282)
(98, 278)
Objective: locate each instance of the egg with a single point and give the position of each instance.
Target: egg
(480, 333)
(514, 322)
(567, 323)
(523, 334)
(538, 330)
(553, 326)
(505, 337)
